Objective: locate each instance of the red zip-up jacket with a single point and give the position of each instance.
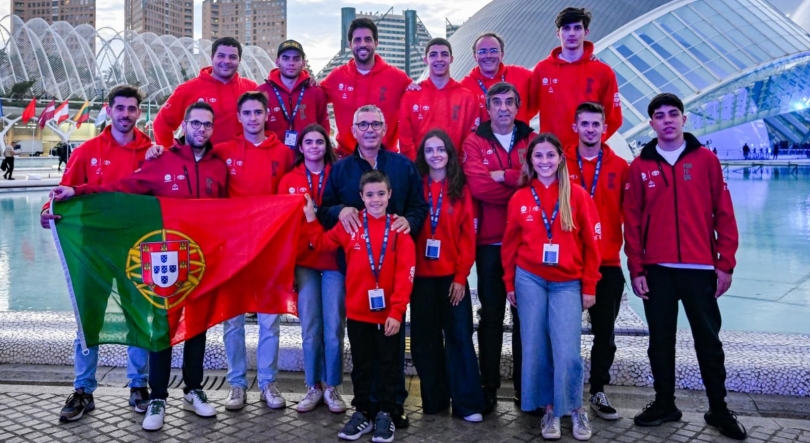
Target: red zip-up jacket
(175, 174)
(396, 276)
(347, 89)
(525, 236)
(558, 87)
(482, 154)
(295, 182)
(678, 214)
(518, 76)
(311, 110)
(221, 96)
(608, 196)
(101, 160)
(453, 108)
(254, 170)
(456, 231)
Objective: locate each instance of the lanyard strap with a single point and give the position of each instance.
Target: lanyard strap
(434, 214)
(509, 152)
(543, 213)
(290, 118)
(484, 88)
(376, 269)
(320, 186)
(595, 174)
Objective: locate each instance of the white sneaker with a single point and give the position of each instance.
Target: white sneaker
(474, 418)
(273, 397)
(155, 411)
(313, 398)
(582, 425)
(197, 401)
(236, 399)
(334, 400)
(550, 427)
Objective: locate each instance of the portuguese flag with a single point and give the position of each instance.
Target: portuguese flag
(153, 272)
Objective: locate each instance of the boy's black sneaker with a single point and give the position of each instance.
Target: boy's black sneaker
(657, 413)
(383, 428)
(139, 399)
(490, 399)
(601, 405)
(400, 419)
(76, 405)
(357, 425)
(726, 422)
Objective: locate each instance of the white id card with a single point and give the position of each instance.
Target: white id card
(433, 248)
(291, 138)
(551, 254)
(376, 299)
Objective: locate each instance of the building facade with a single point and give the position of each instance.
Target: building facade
(76, 12)
(261, 23)
(160, 17)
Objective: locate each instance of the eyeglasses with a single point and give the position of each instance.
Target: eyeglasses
(195, 124)
(363, 126)
(492, 51)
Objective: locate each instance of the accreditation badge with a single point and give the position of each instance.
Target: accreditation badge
(433, 248)
(551, 254)
(376, 299)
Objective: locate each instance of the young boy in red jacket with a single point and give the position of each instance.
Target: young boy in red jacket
(379, 279)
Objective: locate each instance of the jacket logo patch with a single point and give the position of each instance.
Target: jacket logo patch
(529, 218)
(106, 163)
(302, 189)
(291, 190)
(167, 178)
(209, 186)
(597, 229)
(350, 88)
(523, 209)
(687, 172)
(175, 187)
(228, 162)
(656, 173)
(383, 90)
(643, 176)
(93, 162)
(589, 85)
(302, 112)
(545, 80)
(536, 209)
(357, 246)
(456, 111)
(611, 180)
(340, 87)
(651, 184)
(415, 108)
(181, 177)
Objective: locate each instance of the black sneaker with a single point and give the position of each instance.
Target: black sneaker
(383, 428)
(400, 418)
(490, 399)
(76, 405)
(139, 399)
(601, 405)
(656, 413)
(726, 422)
(358, 425)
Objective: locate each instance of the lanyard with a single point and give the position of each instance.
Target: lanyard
(543, 212)
(484, 88)
(595, 174)
(320, 185)
(509, 152)
(376, 269)
(434, 214)
(290, 118)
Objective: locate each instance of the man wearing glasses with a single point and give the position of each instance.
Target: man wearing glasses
(488, 51)
(342, 203)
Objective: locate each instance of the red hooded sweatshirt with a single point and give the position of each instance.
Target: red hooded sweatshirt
(101, 160)
(175, 174)
(221, 96)
(456, 231)
(483, 153)
(254, 170)
(525, 235)
(311, 110)
(396, 276)
(678, 214)
(558, 87)
(295, 182)
(608, 196)
(453, 108)
(518, 76)
(347, 89)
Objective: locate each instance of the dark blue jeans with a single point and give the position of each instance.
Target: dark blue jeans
(442, 348)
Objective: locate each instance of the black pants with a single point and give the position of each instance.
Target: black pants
(695, 288)
(9, 161)
(160, 366)
(609, 292)
(492, 293)
(371, 350)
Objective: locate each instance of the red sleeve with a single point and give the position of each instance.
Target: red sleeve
(533, 100)
(482, 186)
(169, 118)
(328, 84)
(139, 182)
(325, 241)
(511, 177)
(587, 219)
(407, 146)
(466, 247)
(633, 208)
(529, 101)
(725, 224)
(403, 277)
(612, 104)
(322, 115)
(511, 241)
(473, 115)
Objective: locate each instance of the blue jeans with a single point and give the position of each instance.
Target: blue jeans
(322, 310)
(552, 365)
(85, 367)
(266, 352)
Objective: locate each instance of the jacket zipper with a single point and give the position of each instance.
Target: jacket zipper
(646, 232)
(677, 224)
(197, 173)
(188, 179)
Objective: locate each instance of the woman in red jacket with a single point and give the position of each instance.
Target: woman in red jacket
(321, 289)
(551, 259)
(441, 310)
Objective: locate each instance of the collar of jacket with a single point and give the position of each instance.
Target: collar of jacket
(185, 150)
(485, 130)
(648, 152)
(382, 155)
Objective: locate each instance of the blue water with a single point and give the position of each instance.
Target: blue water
(770, 291)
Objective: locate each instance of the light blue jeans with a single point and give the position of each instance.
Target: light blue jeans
(552, 366)
(322, 310)
(266, 352)
(84, 366)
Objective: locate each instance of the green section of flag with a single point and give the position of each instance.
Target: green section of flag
(98, 236)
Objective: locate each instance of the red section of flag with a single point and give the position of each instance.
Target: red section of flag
(61, 113)
(30, 111)
(47, 113)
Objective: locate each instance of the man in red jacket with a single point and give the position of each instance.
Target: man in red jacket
(493, 157)
(488, 51)
(366, 80)
(219, 85)
(602, 173)
(680, 240)
(570, 75)
(441, 103)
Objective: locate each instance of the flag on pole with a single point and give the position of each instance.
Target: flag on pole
(30, 111)
(82, 115)
(146, 272)
(47, 114)
(101, 118)
(62, 112)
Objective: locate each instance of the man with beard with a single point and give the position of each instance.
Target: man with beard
(365, 80)
(219, 85)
